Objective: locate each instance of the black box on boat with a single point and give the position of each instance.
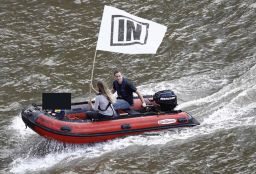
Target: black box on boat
(166, 99)
(56, 101)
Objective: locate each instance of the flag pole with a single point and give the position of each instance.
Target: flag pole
(95, 54)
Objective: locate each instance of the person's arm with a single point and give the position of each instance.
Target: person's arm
(134, 89)
(96, 104)
(113, 90)
(141, 98)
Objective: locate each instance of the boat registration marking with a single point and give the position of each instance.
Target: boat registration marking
(167, 121)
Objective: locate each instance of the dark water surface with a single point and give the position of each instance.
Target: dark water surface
(208, 58)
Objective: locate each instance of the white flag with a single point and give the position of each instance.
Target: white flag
(125, 33)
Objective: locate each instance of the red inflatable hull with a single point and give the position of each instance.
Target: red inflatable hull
(85, 131)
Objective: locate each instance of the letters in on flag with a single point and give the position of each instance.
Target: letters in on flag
(125, 33)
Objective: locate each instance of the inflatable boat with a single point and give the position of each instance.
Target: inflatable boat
(74, 126)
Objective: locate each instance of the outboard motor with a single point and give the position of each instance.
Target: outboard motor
(166, 99)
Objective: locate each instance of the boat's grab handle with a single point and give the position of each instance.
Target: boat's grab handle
(65, 129)
(126, 126)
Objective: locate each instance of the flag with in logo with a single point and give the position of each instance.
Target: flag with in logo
(125, 33)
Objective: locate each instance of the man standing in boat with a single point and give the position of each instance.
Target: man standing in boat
(125, 90)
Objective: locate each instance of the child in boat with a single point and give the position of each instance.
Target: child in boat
(103, 106)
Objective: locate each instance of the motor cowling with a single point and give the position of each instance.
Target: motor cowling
(166, 99)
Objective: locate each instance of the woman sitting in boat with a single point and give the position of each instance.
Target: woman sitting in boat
(103, 106)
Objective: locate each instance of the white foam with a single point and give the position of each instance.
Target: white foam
(19, 126)
(218, 41)
(253, 5)
(36, 77)
(80, 1)
(11, 107)
(49, 62)
(77, 1)
(151, 88)
(23, 165)
(209, 99)
(217, 1)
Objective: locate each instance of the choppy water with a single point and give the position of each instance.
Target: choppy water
(208, 57)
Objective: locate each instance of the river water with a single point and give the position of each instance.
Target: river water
(207, 57)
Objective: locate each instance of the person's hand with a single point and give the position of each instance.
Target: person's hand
(90, 104)
(144, 104)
